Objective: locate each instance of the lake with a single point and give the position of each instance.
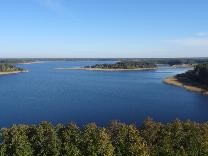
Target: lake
(61, 96)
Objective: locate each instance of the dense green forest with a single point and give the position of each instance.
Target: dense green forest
(198, 75)
(117, 139)
(5, 67)
(124, 65)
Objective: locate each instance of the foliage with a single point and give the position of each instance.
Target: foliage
(170, 61)
(198, 75)
(96, 141)
(16, 141)
(70, 140)
(179, 138)
(124, 65)
(127, 140)
(9, 68)
(44, 139)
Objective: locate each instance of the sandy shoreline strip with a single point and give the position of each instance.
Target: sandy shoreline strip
(174, 81)
(99, 69)
(13, 72)
(34, 62)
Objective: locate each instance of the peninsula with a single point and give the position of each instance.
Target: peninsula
(195, 80)
(9, 69)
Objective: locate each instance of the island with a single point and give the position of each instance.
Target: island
(195, 80)
(118, 66)
(6, 68)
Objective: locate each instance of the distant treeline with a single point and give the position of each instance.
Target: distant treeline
(199, 75)
(16, 61)
(170, 61)
(118, 139)
(124, 65)
(27, 60)
(5, 67)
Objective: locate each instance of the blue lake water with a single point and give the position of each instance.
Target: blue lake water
(61, 96)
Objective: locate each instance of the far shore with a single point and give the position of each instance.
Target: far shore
(13, 72)
(34, 62)
(183, 66)
(194, 88)
(100, 69)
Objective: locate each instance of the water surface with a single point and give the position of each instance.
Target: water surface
(89, 96)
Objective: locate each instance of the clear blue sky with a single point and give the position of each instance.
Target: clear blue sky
(103, 28)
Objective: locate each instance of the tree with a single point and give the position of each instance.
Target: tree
(150, 131)
(127, 140)
(70, 140)
(16, 142)
(96, 141)
(44, 140)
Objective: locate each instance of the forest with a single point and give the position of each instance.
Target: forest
(179, 61)
(198, 75)
(124, 65)
(169, 61)
(5, 67)
(178, 138)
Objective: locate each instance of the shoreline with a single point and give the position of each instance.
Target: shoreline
(34, 62)
(182, 66)
(13, 72)
(194, 88)
(99, 69)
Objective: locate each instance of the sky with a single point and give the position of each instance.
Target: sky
(103, 28)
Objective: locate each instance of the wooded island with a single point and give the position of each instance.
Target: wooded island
(123, 65)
